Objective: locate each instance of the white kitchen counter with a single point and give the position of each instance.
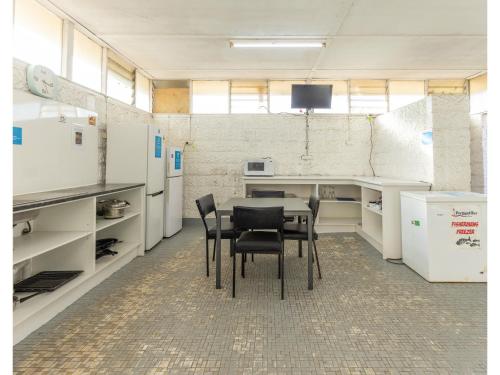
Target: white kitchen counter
(380, 227)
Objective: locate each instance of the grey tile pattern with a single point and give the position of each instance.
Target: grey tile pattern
(161, 315)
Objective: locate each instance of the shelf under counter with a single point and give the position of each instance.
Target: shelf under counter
(30, 245)
(102, 223)
(122, 248)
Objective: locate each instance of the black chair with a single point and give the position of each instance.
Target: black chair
(262, 233)
(298, 231)
(206, 205)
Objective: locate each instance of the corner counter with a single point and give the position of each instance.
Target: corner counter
(345, 204)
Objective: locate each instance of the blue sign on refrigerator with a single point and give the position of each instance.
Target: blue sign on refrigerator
(157, 146)
(17, 136)
(177, 160)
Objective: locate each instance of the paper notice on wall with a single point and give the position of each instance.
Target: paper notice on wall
(465, 226)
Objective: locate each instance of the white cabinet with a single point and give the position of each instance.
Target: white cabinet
(63, 238)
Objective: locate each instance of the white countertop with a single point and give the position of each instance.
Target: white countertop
(381, 181)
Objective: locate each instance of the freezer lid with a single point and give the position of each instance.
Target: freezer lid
(445, 196)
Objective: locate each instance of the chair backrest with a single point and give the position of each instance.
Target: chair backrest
(206, 205)
(314, 206)
(268, 194)
(258, 218)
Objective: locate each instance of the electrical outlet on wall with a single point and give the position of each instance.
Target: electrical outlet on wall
(306, 157)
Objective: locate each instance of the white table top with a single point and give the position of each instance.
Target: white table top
(291, 206)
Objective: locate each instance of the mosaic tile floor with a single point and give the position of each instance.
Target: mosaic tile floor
(161, 315)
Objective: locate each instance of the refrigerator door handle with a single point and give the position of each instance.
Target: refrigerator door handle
(158, 193)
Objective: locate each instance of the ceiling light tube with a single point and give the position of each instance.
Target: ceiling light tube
(262, 43)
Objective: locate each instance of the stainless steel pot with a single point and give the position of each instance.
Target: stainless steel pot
(112, 208)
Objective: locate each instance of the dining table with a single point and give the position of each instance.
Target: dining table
(291, 207)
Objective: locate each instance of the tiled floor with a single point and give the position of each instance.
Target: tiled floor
(161, 315)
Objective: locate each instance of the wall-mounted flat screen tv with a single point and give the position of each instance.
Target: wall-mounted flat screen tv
(311, 96)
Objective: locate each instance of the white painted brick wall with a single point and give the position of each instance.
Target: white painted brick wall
(339, 145)
(398, 151)
(478, 152)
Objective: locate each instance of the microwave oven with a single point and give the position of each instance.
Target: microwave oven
(259, 167)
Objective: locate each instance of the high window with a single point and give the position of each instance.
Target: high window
(446, 86)
(280, 96)
(37, 35)
(478, 94)
(142, 92)
(210, 96)
(249, 97)
(402, 93)
(340, 102)
(87, 61)
(368, 96)
(121, 79)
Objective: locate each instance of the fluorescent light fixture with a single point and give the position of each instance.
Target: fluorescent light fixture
(283, 43)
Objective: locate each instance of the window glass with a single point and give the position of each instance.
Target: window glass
(280, 98)
(121, 76)
(249, 97)
(446, 86)
(478, 94)
(87, 56)
(37, 35)
(402, 93)
(340, 103)
(368, 96)
(210, 96)
(142, 92)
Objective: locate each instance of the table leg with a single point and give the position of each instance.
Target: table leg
(309, 252)
(217, 253)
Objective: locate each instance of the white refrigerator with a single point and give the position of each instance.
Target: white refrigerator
(136, 153)
(444, 235)
(173, 191)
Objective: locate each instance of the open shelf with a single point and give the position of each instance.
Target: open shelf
(122, 248)
(33, 244)
(338, 201)
(374, 210)
(339, 221)
(102, 223)
(33, 305)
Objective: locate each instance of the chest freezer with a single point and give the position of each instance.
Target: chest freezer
(444, 235)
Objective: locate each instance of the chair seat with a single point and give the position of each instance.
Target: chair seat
(258, 241)
(227, 231)
(297, 231)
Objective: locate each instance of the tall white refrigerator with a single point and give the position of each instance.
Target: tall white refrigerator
(136, 154)
(173, 191)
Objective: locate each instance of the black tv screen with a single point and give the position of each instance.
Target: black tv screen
(311, 96)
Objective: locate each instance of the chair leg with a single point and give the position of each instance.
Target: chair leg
(300, 249)
(231, 247)
(282, 258)
(243, 265)
(206, 256)
(234, 274)
(213, 255)
(279, 266)
(252, 257)
(317, 259)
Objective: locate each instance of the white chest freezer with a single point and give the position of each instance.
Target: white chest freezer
(444, 235)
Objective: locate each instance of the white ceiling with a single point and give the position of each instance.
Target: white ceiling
(182, 39)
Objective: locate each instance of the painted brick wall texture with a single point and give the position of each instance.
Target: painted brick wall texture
(107, 109)
(339, 145)
(400, 153)
(478, 152)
